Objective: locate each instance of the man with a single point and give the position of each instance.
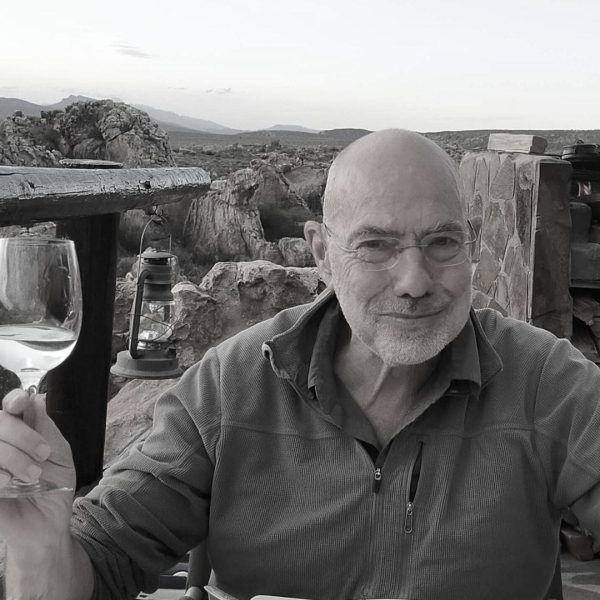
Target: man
(383, 442)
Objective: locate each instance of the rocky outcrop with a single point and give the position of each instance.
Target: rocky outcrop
(100, 129)
(296, 252)
(308, 182)
(282, 212)
(107, 130)
(30, 142)
(232, 297)
(244, 216)
(130, 414)
(225, 224)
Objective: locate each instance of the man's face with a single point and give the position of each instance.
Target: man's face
(409, 313)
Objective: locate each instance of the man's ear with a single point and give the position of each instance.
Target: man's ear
(314, 235)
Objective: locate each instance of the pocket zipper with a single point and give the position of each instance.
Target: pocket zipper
(413, 483)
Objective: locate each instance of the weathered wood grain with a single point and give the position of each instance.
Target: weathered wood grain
(29, 194)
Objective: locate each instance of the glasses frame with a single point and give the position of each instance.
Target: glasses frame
(400, 248)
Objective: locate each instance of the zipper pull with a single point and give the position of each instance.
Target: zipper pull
(408, 519)
(377, 481)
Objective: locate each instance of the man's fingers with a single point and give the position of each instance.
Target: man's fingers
(16, 402)
(15, 432)
(18, 463)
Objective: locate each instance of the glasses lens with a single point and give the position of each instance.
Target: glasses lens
(376, 251)
(443, 248)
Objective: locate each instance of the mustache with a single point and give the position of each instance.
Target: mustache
(411, 306)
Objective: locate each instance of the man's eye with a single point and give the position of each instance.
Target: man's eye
(374, 245)
(443, 241)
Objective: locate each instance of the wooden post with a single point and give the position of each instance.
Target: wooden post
(77, 389)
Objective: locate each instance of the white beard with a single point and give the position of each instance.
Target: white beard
(396, 347)
(399, 342)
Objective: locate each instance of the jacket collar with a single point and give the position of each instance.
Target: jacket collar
(472, 358)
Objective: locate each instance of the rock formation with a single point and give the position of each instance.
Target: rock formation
(30, 142)
(108, 130)
(282, 211)
(308, 182)
(244, 216)
(100, 129)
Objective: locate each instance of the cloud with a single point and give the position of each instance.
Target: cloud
(220, 91)
(129, 50)
(179, 89)
(7, 88)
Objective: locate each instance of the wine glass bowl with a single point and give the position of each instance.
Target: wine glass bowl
(40, 314)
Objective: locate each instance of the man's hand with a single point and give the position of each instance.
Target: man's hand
(32, 447)
(44, 561)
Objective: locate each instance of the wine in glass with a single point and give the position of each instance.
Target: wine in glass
(40, 317)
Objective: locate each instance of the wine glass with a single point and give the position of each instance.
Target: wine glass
(40, 318)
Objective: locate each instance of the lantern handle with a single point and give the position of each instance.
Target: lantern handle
(150, 220)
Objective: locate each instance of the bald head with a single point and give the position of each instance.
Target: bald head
(392, 157)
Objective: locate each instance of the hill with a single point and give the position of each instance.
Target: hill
(9, 106)
(172, 121)
(292, 128)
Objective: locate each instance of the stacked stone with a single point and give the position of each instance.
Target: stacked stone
(518, 205)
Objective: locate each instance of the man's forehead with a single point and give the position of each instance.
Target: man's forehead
(415, 230)
(391, 164)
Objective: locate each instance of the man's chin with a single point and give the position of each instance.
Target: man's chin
(411, 348)
(408, 355)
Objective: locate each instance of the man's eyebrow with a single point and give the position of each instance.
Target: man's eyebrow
(368, 230)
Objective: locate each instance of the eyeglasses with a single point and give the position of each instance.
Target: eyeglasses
(440, 249)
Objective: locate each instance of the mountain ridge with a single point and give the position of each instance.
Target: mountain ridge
(188, 130)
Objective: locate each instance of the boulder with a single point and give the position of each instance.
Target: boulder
(249, 292)
(308, 183)
(243, 217)
(282, 211)
(225, 224)
(198, 322)
(30, 142)
(129, 414)
(296, 252)
(107, 130)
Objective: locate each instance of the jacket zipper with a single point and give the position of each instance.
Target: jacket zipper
(377, 476)
(413, 482)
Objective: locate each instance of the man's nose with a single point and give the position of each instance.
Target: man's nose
(412, 275)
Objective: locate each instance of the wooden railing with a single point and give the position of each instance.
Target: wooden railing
(86, 205)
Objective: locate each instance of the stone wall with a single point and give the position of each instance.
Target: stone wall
(519, 207)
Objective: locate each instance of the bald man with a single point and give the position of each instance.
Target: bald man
(385, 441)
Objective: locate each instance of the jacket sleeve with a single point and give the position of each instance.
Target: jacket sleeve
(567, 433)
(152, 505)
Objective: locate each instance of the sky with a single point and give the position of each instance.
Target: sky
(426, 65)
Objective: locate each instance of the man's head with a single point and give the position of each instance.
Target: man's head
(395, 184)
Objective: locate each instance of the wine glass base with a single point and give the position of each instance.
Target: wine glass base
(17, 489)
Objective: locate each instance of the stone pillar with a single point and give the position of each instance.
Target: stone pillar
(519, 207)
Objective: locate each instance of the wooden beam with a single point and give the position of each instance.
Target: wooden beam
(29, 194)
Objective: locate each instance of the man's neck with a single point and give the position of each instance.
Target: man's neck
(387, 394)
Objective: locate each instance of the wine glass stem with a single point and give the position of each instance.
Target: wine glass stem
(30, 383)
(30, 380)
